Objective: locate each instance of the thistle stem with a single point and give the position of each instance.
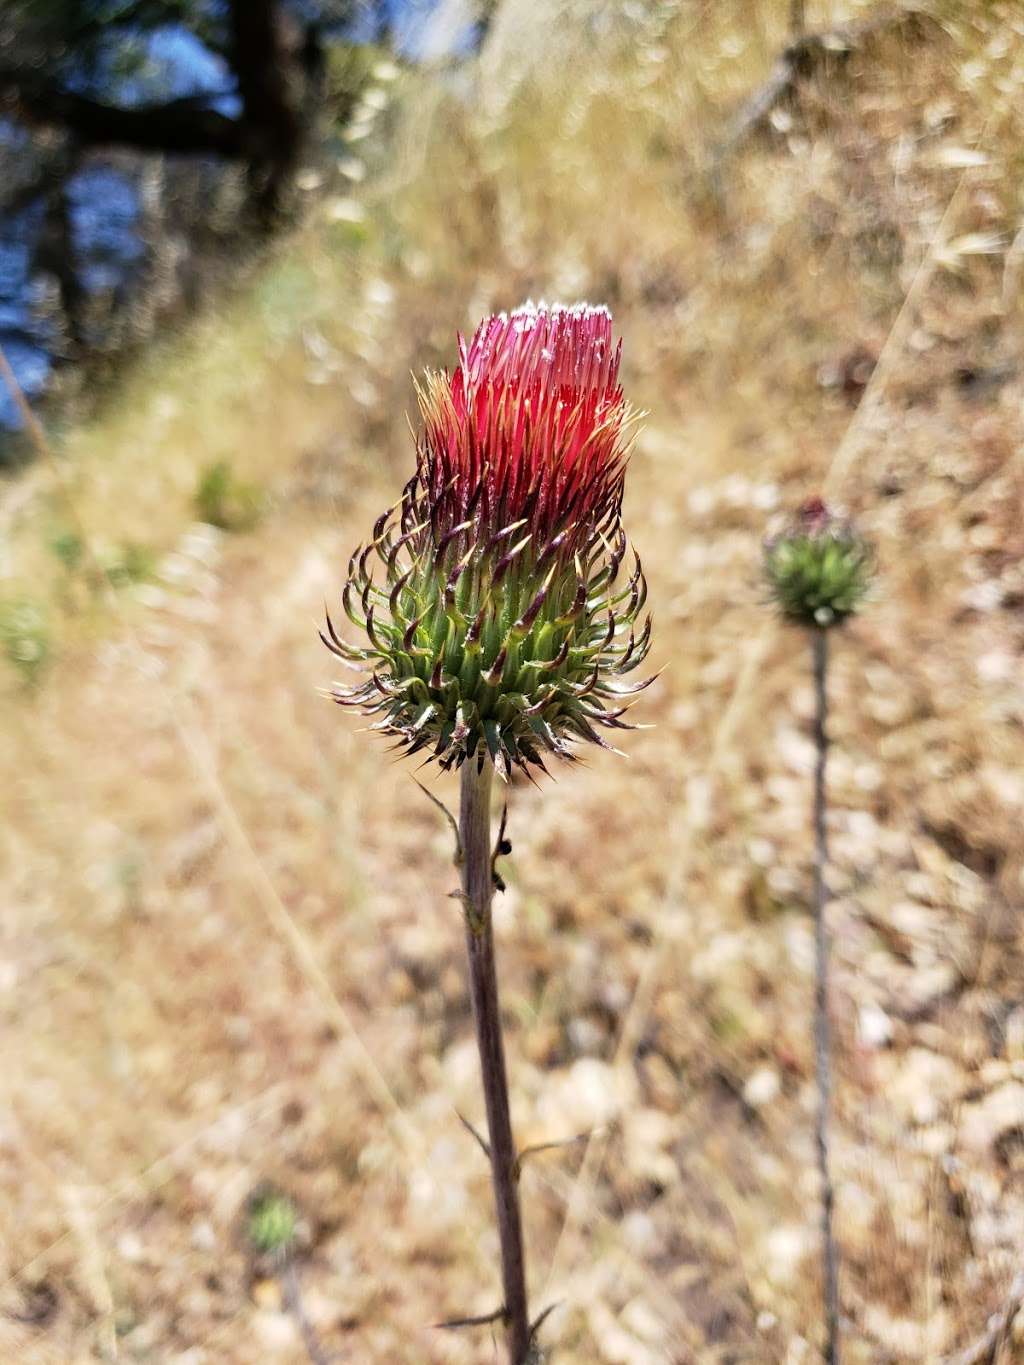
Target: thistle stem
(478, 891)
(822, 1030)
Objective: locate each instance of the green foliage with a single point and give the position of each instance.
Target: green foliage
(726, 1025)
(121, 565)
(67, 546)
(130, 563)
(761, 904)
(25, 637)
(226, 501)
(350, 68)
(272, 1223)
(348, 237)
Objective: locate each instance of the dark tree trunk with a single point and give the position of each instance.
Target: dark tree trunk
(55, 256)
(313, 60)
(272, 125)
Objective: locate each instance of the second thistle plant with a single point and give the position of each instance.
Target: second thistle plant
(819, 570)
(499, 623)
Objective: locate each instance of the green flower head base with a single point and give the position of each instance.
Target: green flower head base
(498, 621)
(819, 568)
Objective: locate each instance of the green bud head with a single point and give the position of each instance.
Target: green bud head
(819, 568)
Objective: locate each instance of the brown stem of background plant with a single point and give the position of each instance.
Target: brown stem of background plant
(822, 1030)
(478, 890)
(293, 1302)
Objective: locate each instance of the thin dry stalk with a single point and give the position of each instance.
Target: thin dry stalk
(477, 894)
(985, 1350)
(92, 1266)
(822, 1028)
(805, 54)
(292, 1291)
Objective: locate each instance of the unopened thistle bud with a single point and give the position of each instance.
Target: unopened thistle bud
(819, 567)
(499, 619)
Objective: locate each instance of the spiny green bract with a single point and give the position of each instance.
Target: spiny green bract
(470, 657)
(820, 568)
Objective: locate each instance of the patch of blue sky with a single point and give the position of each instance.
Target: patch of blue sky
(13, 136)
(166, 63)
(427, 30)
(104, 209)
(17, 239)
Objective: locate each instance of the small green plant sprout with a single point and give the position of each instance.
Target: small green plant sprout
(25, 637)
(68, 547)
(224, 500)
(819, 568)
(129, 564)
(499, 623)
(272, 1223)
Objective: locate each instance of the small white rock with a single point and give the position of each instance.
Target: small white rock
(874, 1027)
(998, 1113)
(130, 1248)
(997, 665)
(203, 1236)
(762, 1087)
(786, 1247)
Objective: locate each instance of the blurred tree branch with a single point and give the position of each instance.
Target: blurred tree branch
(274, 61)
(805, 55)
(181, 125)
(272, 127)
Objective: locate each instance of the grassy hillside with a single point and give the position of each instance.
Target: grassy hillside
(227, 955)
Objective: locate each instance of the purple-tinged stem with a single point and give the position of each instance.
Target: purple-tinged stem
(478, 891)
(822, 1028)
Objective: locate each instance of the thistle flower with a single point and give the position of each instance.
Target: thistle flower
(498, 621)
(819, 568)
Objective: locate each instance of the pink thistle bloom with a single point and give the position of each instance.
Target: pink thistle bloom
(530, 425)
(814, 514)
(501, 628)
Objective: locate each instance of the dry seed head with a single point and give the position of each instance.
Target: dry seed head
(500, 614)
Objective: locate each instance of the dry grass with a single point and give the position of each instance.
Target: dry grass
(227, 953)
